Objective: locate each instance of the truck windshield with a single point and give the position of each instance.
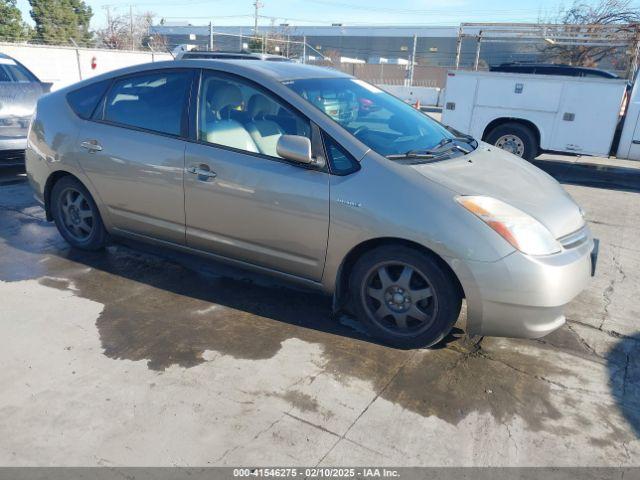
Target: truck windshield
(381, 121)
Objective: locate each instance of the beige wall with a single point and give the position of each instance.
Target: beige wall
(65, 65)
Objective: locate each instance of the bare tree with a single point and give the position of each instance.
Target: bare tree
(124, 31)
(617, 20)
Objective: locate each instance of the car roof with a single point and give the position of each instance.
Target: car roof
(258, 70)
(204, 54)
(278, 71)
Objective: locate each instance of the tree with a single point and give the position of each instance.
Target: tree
(11, 25)
(618, 20)
(124, 31)
(59, 21)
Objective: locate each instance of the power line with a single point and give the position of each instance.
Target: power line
(406, 11)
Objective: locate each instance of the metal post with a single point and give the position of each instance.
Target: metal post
(133, 46)
(459, 47)
(77, 57)
(210, 36)
(304, 49)
(479, 42)
(241, 41)
(288, 42)
(413, 60)
(264, 43)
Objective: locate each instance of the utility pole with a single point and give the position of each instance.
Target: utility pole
(131, 27)
(257, 6)
(413, 59)
(304, 49)
(211, 36)
(109, 24)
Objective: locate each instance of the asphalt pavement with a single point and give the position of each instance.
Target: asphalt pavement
(137, 356)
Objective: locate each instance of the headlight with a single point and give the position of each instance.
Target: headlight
(518, 228)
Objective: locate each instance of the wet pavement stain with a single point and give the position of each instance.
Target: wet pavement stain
(162, 312)
(301, 401)
(157, 316)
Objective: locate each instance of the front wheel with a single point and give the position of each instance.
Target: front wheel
(76, 215)
(404, 297)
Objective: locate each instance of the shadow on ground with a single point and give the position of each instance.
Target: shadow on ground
(590, 175)
(623, 362)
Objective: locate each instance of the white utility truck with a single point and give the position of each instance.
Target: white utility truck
(528, 114)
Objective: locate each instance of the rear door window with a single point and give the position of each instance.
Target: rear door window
(155, 101)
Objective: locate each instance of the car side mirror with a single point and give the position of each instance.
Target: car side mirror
(295, 148)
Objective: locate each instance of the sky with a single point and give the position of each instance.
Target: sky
(325, 12)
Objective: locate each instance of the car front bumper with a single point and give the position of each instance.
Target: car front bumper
(12, 151)
(522, 296)
(13, 143)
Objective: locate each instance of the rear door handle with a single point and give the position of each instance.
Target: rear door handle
(203, 172)
(91, 145)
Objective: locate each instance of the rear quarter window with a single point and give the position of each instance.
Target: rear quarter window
(83, 101)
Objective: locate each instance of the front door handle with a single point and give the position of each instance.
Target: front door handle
(203, 172)
(91, 145)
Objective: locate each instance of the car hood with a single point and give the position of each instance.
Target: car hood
(493, 172)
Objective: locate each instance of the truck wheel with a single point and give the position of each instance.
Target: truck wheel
(404, 297)
(514, 138)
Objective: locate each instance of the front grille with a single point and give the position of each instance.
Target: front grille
(575, 239)
(11, 157)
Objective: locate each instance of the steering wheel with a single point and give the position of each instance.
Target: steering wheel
(359, 130)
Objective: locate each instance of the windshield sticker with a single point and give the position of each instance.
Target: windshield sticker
(367, 86)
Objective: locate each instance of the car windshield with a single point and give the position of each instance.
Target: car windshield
(383, 122)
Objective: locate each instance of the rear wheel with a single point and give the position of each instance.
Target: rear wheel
(76, 215)
(514, 138)
(404, 297)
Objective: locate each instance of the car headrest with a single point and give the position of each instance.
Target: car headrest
(224, 96)
(259, 106)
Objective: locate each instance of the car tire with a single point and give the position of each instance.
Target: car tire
(76, 215)
(405, 308)
(519, 138)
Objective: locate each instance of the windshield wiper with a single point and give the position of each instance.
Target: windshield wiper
(461, 136)
(411, 154)
(435, 153)
(451, 143)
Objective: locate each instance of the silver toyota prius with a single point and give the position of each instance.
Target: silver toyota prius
(320, 178)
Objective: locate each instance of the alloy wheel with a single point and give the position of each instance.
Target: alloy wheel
(399, 298)
(77, 215)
